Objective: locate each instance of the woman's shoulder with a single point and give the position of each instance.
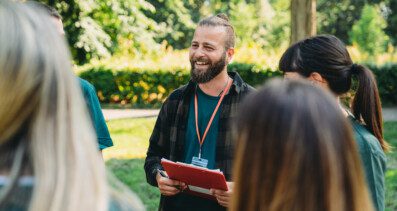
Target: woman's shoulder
(365, 139)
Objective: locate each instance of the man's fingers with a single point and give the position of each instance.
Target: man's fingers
(223, 204)
(167, 193)
(168, 188)
(222, 201)
(219, 192)
(222, 198)
(170, 182)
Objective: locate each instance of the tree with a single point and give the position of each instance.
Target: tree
(367, 33)
(391, 28)
(303, 19)
(337, 17)
(95, 28)
(176, 20)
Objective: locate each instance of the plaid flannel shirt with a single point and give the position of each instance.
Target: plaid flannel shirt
(168, 137)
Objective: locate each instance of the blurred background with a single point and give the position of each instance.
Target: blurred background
(135, 52)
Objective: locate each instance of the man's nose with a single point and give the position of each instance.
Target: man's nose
(198, 53)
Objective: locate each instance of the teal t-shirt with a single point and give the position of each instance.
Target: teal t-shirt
(206, 106)
(374, 163)
(97, 118)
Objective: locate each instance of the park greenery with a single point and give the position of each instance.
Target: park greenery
(146, 29)
(136, 51)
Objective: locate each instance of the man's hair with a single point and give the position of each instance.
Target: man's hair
(221, 20)
(50, 10)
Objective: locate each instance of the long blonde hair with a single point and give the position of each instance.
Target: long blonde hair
(295, 151)
(43, 115)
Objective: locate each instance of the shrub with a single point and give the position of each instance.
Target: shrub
(149, 88)
(386, 76)
(367, 33)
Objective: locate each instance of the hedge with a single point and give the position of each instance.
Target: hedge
(150, 88)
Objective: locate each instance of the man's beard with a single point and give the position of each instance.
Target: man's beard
(203, 76)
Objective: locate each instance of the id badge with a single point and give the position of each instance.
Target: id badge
(200, 162)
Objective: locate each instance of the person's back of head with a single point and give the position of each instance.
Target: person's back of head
(327, 55)
(45, 131)
(299, 152)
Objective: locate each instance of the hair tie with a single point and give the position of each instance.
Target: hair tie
(354, 69)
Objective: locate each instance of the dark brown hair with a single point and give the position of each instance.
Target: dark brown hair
(221, 20)
(295, 151)
(328, 56)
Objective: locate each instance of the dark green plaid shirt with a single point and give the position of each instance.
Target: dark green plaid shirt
(167, 139)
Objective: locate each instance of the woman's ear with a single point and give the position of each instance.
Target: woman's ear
(317, 78)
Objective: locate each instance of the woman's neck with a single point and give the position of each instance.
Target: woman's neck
(345, 113)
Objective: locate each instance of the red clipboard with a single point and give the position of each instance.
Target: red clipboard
(199, 180)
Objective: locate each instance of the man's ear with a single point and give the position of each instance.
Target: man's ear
(230, 54)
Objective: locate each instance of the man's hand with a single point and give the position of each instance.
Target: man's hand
(223, 197)
(169, 187)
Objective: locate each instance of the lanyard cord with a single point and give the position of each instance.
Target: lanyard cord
(224, 92)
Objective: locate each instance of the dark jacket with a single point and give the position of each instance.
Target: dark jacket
(167, 139)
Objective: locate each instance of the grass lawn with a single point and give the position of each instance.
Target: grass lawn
(130, 137)
(391, 174)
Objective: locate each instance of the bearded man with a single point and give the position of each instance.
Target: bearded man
(195, 121)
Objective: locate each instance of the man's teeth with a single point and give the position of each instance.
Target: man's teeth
(201, 63)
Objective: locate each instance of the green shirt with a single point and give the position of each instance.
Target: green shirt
(374, 162)
(97, 118)
(206, 106)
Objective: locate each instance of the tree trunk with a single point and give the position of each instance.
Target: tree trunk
(303, 19)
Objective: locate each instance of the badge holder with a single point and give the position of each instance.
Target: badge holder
(198, 161)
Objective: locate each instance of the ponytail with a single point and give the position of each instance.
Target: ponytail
(366, 104)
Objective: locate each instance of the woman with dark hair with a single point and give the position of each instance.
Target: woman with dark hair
(325, 61)
(296, 153)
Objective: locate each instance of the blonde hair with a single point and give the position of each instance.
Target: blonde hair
(299, 151)
(42, 111)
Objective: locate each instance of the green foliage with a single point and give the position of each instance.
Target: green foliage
(391, 28)
(261, 23)
(137, 28)
(176, 20)
(95, 29)
(140, 88)
(386, 77)
(252, 74)
(338, 17)
(244, 19)
(367, 33)
(151, 87)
